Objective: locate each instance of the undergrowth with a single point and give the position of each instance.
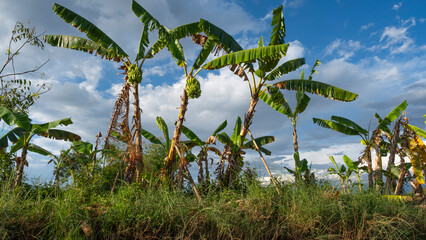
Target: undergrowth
(254, 212)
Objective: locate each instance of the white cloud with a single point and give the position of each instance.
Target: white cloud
(293, 3)
(344, 49)
(396, 39)
(366, 26)
(397, 6)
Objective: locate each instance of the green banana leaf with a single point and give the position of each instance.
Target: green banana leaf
(150, 137)
(260, 42)
(225, 139)
(205, 52)
(260, 141)
(12, 136)
(318, 88)
(335, 126)
(236, 137)
(227, 42)
(49, 125)
(247, 56)
(19, 144)
(82, 44)
(220, 128)
(379, 120)
(418, 131)
(163, 127)
(349, 123)
(283, 108)
(85, 148)
(12, 117)
(277, 37)
(278, 27)
(149, 24)
(393, 115)
(334, 163)
(176, 33)
(58, 134)
(285, 68)
(91, 31)
(302, 102)
(351, 164)
(192, 136)
(37, 149)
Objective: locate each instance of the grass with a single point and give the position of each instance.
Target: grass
(301, 212)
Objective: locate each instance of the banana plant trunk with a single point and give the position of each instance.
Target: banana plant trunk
(295, 143)
(392, 153)
(378, 168)
(248, 117)
(369, 170)
(20, 167)
(171, 159)
(138, 134)
(234, 169)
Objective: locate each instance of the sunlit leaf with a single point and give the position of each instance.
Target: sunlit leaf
(318, 88)
(91, 31)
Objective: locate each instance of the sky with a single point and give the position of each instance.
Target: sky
(376, 49)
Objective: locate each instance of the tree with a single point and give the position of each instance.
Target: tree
(205, 147)
(215, 41)
(276, 100)
(345, 173)
(348, 127)
(268, 58)
(16, 92)
(233, 153)
(23, 133)
(100, 44)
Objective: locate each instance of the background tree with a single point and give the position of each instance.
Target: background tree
(16, 92)
(102, 45)
(268, 58)
(22, 135)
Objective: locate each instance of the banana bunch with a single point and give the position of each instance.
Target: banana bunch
(193, 88)
(277, 96)
(134, 73)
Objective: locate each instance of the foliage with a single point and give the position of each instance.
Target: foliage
(22, 135)
(345, 172)
(16, 92)
(256, 213)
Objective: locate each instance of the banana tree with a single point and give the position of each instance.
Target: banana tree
(205, 147)
(234, 151)
(215, 40)
(345, 172)
(268, 58)
(23, 133)
(276, 100)
(348, 127)
(100, 44)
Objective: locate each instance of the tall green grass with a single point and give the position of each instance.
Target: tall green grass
(255, 212)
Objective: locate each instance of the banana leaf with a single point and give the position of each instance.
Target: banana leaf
(85, 26)
(247, 56)
(84, 45)
(349, 123)
(318, 88)
(285, 68)
(335, 126)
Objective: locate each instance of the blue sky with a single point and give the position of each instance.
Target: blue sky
(376, 49)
